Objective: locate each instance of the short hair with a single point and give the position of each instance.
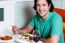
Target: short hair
(48, 1)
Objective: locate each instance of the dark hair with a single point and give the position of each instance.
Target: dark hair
(48, 1)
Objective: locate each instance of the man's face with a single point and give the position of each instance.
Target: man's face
(42, 7)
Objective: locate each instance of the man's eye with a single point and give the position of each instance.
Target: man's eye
(43, 4)
(38, 5)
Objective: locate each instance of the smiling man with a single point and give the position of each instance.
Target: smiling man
(47, 23)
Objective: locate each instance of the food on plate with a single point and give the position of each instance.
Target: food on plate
(30, 38)
(19, 36)
(26, 35)
(6, 37)
(0, 37)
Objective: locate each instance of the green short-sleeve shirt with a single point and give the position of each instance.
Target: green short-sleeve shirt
(51, 26)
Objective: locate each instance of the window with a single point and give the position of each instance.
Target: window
(1, 14)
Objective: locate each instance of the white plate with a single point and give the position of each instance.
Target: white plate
(23, 41)
(40, 42)
(5, 41)
(19, 39)
(26, 41)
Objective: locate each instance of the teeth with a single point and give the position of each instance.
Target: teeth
(40, 11)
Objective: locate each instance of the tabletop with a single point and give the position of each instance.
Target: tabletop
(22, 40)
(18, 39)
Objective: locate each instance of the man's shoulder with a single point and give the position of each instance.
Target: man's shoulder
(56, 15)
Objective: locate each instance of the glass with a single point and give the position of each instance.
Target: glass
(36, 39)
(36, 36)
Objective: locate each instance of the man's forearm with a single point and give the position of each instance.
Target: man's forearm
(26, 29)
(54, 39)
(45, 40)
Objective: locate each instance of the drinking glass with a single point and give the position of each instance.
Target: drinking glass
(36, 39)
(36, 36)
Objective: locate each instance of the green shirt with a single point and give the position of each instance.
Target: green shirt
(51, 26)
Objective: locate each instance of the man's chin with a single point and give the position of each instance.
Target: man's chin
(41, 14)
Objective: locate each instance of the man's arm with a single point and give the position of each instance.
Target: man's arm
(28, 28)
(53, 39)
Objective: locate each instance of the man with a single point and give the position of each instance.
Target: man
(47, 23)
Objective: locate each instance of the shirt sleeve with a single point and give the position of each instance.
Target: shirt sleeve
(32, 22)
(57, 26)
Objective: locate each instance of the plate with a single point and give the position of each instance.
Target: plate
(22, 41)
(5, 41)
(26, 41)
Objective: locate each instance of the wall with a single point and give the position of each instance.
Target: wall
(5, 25)
(63, 4)
(59, 4)
(23, 12)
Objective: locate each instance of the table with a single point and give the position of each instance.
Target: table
(15, 40)
(24, 40)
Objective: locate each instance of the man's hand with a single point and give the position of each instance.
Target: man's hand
(15, 29)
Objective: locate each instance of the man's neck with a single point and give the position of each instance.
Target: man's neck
(45, 16)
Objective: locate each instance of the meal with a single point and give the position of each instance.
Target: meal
(6, 37)
(25, 35)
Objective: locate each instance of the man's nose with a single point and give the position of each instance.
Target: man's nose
(40, 8)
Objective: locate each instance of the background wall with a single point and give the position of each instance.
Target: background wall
(5, 26)
(59, 4)
(63, 4)
(24, 11)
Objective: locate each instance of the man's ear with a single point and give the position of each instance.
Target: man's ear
(49, 6)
